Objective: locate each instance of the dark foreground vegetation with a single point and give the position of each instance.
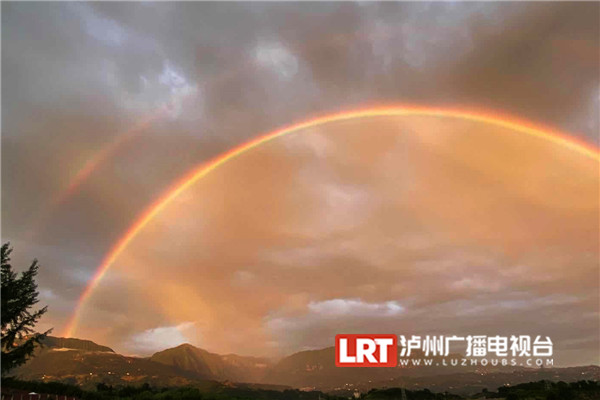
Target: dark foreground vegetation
(542, 390)
(146, 392)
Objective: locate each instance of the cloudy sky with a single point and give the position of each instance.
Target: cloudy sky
(408, 225)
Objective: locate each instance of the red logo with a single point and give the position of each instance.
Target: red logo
(366, 351)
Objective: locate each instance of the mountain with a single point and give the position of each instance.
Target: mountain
(213, 366)
(472, 382)
(72, 343)
(316, 368)
(86, 363)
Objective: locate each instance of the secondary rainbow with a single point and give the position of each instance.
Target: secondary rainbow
(92, 164)
(205, 168)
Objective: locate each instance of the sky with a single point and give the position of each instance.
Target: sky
(409, 225)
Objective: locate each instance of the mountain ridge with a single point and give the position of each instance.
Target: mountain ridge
(211, 365)
(73, 343)
(86, 363)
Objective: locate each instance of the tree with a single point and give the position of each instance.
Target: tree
(19, 295)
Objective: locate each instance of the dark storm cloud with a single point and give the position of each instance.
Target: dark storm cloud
(75, 76)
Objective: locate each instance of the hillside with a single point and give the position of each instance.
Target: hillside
(86, 364)
(213, 366)
(316, 368)
(72, 343)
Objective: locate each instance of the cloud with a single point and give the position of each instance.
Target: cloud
(277, 58)
(442, 217)
(160, 338)
(354, 307)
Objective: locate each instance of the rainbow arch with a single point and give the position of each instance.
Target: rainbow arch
(204, 169)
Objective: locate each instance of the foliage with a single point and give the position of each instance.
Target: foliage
(396, 393)
(542, 390)
(19, 295)
(147, 392)
(546, 390)
(56, 388)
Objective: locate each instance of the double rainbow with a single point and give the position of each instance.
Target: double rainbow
(203, 169)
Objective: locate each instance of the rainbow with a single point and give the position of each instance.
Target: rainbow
(88, 168)
(203, 169)
(101, 156)
(95, 162)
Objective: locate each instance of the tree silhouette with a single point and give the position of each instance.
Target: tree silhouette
(19, 295)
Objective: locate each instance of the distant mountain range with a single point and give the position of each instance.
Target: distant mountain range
(71, 343)
(207, 365)
(86, 363)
